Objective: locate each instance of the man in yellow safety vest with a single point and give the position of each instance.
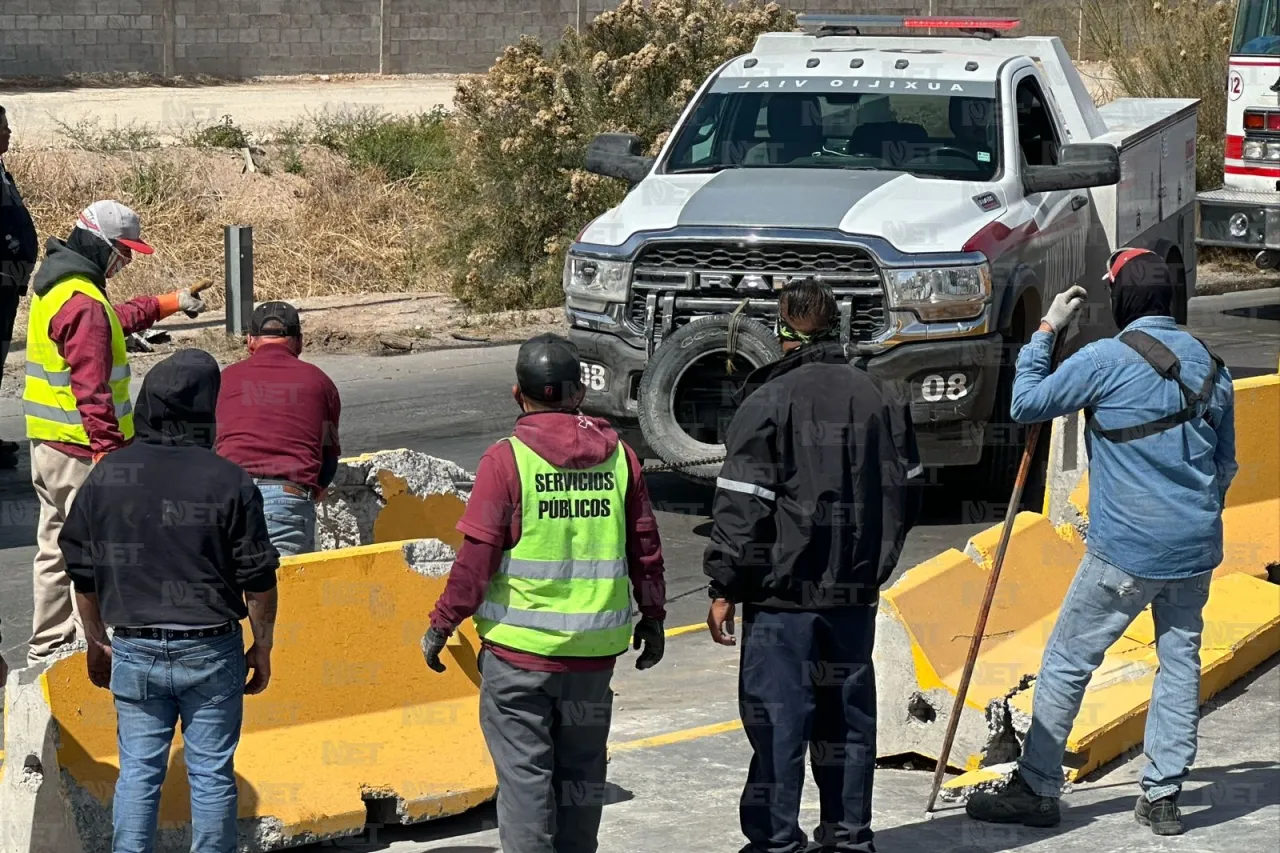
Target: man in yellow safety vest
(76, 393)
(559, 536)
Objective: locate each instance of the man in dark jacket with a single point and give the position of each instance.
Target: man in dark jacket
(166, 543)
(812, 505)
(76, 393)
(18, 252)
(559, 538)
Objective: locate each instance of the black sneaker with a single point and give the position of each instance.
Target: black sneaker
(1015, 803)
(1161, 815)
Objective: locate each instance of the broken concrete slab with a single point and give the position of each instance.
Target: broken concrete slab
(352, 724)
(393, 495)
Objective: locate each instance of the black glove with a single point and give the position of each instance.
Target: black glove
(650, 633)
(432, 644)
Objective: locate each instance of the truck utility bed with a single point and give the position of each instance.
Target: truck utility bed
(1156, 138)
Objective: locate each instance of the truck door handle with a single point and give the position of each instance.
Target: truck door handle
(1079, 202)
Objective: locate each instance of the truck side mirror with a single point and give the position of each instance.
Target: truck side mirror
(1080, 166)
(619, 155)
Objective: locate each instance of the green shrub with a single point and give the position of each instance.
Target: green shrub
(518, 195)
(152, 183)
(1169, 50)
(89, 135)
(404, 148)
(223, 134)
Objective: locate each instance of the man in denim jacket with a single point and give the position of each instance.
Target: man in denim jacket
(1162, 455)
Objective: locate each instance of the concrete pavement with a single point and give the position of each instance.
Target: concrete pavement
(682, 795)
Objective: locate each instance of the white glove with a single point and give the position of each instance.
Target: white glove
(192, 305)
(1065, 306)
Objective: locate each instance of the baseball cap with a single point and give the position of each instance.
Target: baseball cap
(1119, 258)
(548, 369)
(114, 223)
(280, 312)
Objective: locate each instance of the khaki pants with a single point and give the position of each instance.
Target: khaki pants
(56, 622)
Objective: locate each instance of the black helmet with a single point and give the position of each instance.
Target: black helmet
(548, 369)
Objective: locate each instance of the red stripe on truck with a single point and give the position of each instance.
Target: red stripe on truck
(1235, 147)
(997, 238)
(1254, 171)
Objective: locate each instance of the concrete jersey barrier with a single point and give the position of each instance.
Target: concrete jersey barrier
(927, 617)
(353, 724)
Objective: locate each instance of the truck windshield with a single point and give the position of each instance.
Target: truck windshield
(1255, 33)
(933, 135)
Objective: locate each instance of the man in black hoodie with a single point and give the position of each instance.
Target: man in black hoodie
(814, 500)
(166, 543)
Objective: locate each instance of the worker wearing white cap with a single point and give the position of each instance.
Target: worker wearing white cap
(76, 394)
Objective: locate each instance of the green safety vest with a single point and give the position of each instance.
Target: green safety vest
(564, 590)
(47, 398)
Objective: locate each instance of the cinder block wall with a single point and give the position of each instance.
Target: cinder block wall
(245, 38)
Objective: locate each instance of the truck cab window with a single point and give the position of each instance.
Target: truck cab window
(1037, 131)
(930, 135)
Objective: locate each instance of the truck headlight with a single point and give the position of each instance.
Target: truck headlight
(1273, 150)
(596, 280)
(1254, 149)
(946, 293)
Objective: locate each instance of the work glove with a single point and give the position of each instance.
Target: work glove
(649, 633)
(1065, 306)
(191, 304)
(432, 645)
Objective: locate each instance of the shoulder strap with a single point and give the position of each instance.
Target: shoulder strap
(1165, 363)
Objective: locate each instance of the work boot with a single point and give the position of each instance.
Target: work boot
(1015, 803)
(1161, 815)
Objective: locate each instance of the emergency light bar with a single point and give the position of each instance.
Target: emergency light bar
(854, 24)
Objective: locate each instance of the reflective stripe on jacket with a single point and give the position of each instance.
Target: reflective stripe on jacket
(48, 400)
(563, 590)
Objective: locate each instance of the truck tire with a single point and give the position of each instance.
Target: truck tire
(667, 385)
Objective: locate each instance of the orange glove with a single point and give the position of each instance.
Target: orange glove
(186, 300)
(97, 457)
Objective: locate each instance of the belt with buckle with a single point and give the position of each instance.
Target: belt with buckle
(290, 488)
(176, 634)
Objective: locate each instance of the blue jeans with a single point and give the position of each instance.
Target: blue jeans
(291, 518)
(155, 683)
(1101, 604)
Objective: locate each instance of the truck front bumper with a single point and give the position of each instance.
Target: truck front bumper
(953, 390)
(1255, 215)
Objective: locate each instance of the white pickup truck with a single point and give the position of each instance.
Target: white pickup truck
(945, 187)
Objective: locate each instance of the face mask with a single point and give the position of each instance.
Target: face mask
(120, 258)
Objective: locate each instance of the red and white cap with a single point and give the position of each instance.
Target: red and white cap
(1119, 258)
(114, 223)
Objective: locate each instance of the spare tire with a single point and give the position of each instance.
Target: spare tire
(685, 394)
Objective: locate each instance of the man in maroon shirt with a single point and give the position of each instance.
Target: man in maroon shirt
(72, 342)
(278, 420)
(546, 717)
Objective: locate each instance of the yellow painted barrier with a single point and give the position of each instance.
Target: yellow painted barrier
(927, 620)
(352, 713)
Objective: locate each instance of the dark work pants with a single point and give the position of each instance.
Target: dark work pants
(806, 683)
(548, 734)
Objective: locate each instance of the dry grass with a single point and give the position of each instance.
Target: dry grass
(333, 229)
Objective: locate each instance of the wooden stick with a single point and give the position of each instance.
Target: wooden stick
(975, 643)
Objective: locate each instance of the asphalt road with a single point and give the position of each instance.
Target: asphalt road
(453, 404)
